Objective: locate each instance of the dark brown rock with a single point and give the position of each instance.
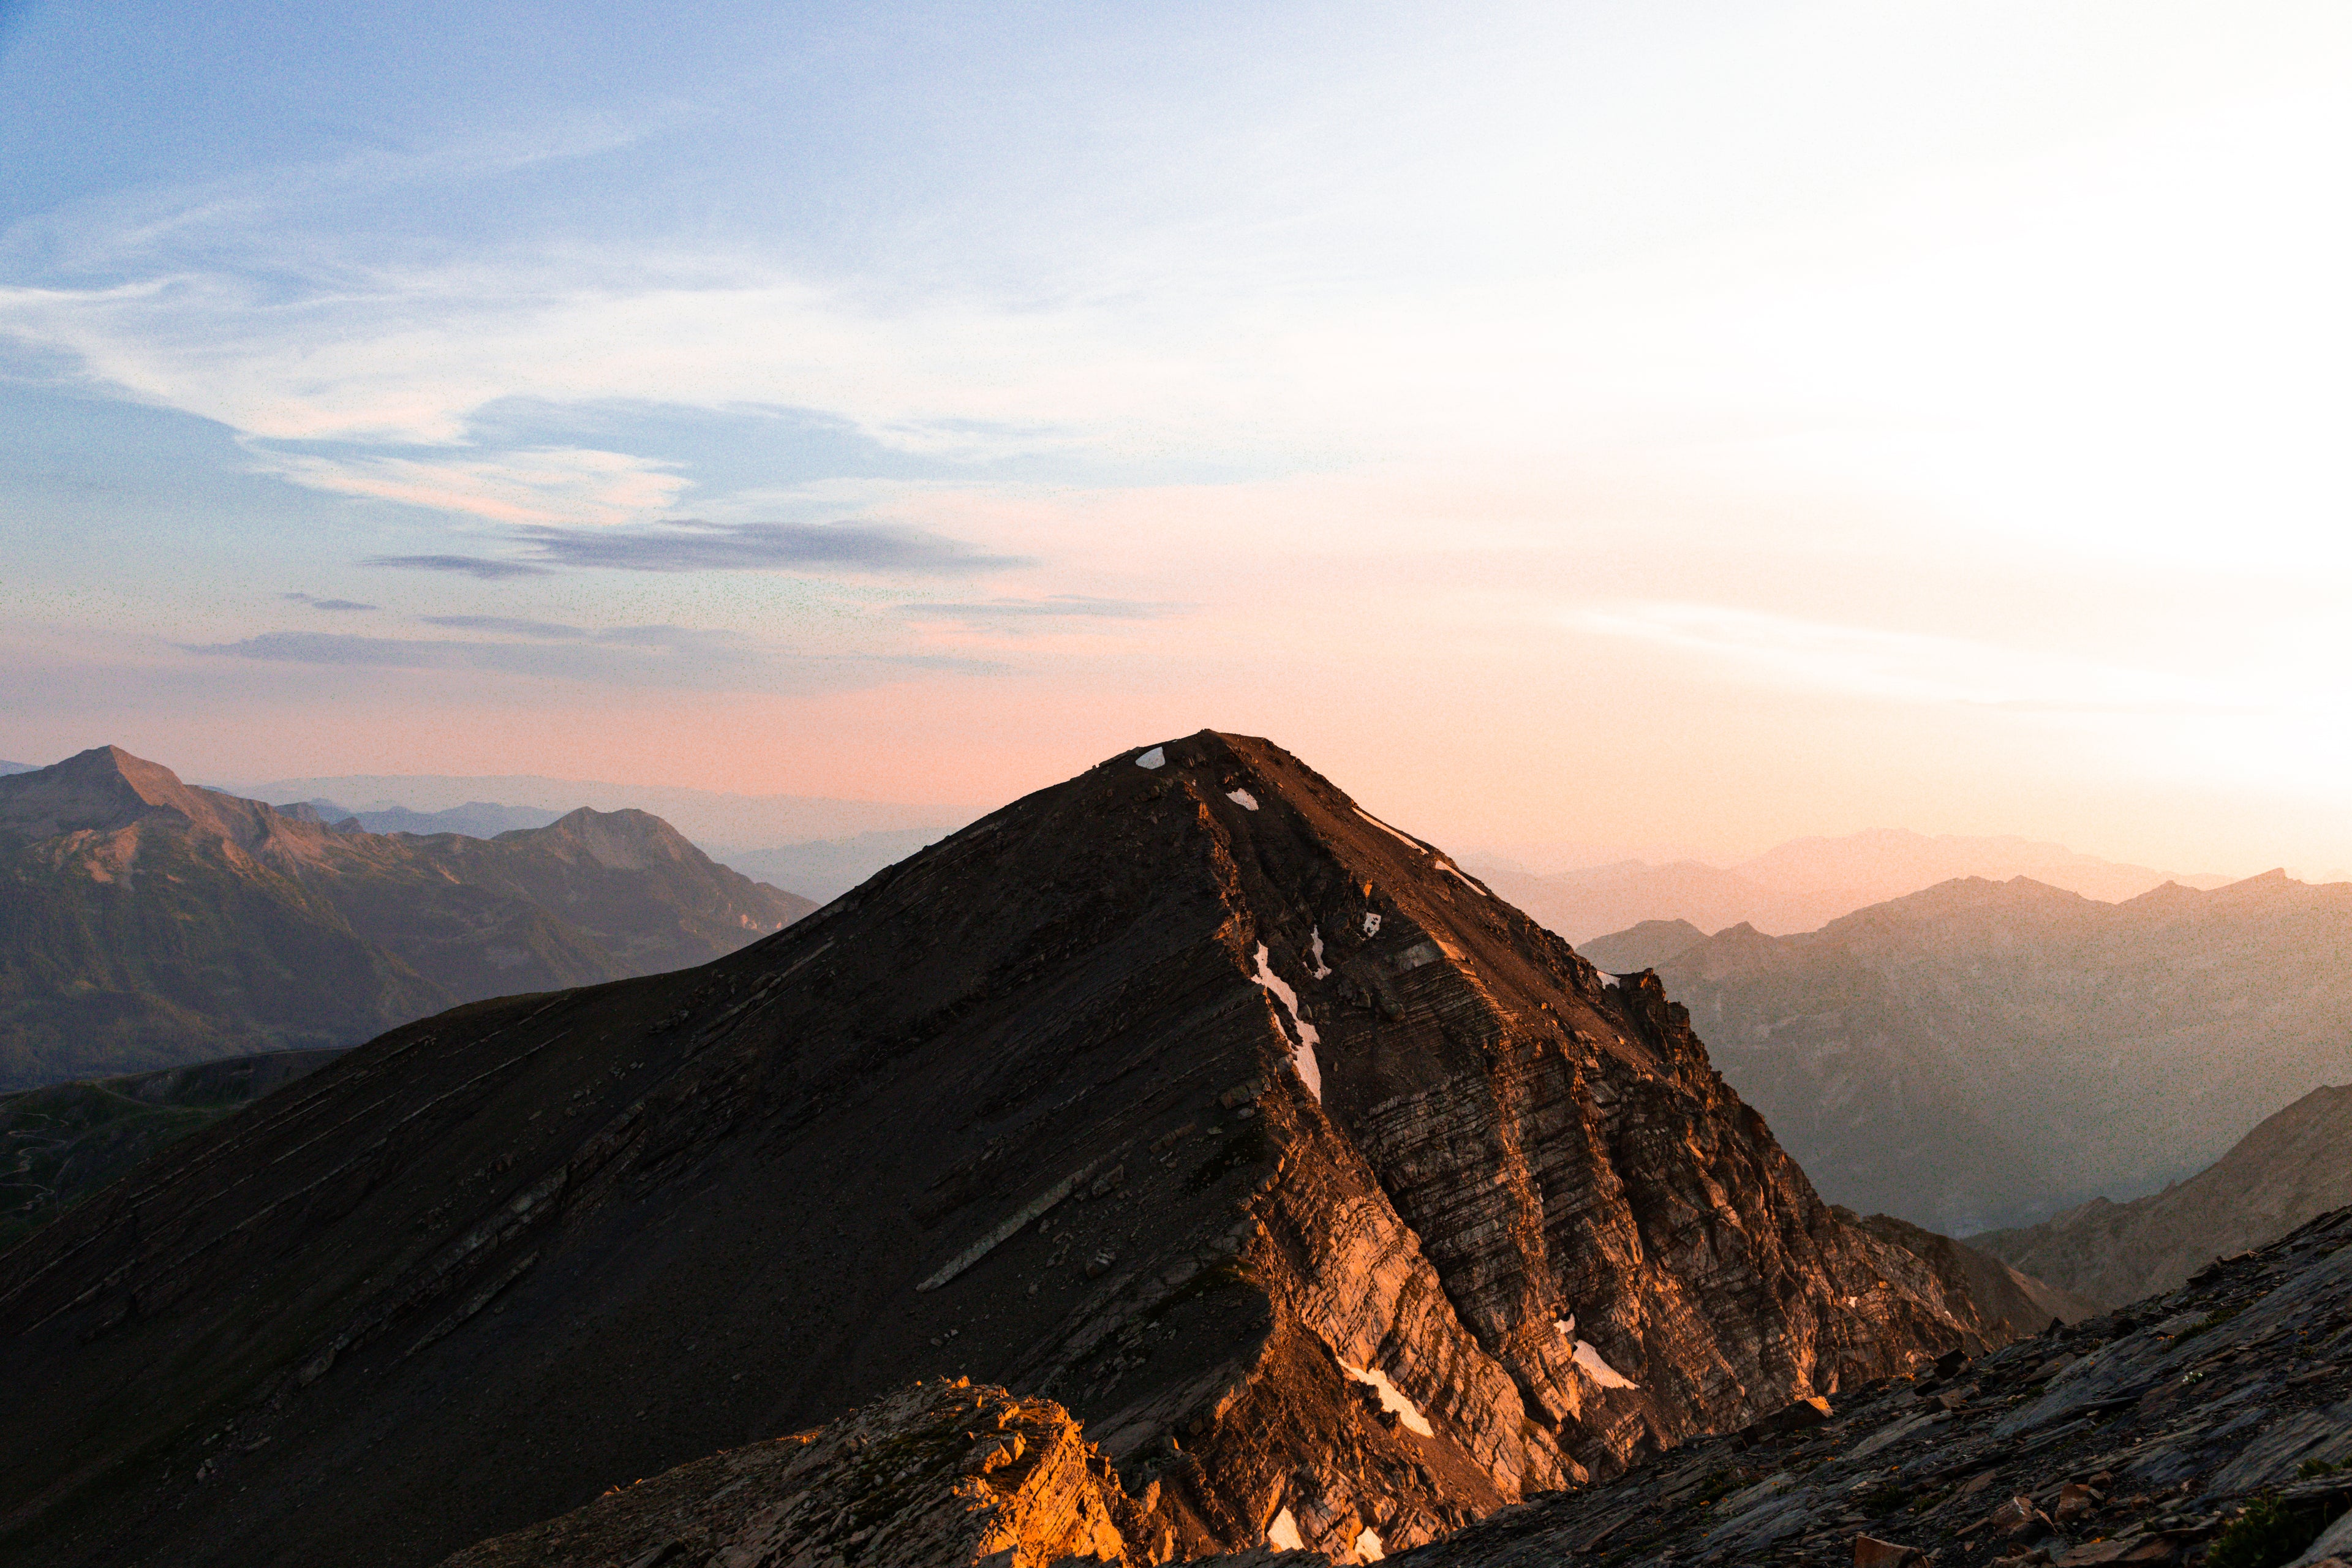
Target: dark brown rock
(489, 1266)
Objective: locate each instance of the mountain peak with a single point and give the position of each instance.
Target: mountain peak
(101, 789)
(1186, 1093)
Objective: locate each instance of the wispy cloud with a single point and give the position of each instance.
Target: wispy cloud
(692, 545)
(319, 604)
(485, 567)
(561, 485)
(1007, 613)
(1903, 666)
(634, 656)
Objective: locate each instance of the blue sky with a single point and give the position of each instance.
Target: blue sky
(1918, 415)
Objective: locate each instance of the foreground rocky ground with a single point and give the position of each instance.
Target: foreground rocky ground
(2196, 1425)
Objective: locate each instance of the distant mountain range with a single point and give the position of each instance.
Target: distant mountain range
(148, 922)
(1807, 882)
(1982, 1054)
(714, 819)
(474, 819)
(2295, 1165)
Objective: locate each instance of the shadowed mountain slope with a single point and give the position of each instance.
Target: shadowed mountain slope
(147, 922)
(60, 1144)
(1184, 1094)
(2294, 1165)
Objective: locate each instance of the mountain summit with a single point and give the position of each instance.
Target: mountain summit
(1333, 1194)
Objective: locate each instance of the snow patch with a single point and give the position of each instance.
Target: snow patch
(1599, 1370)
(1310, 1070)
(1371, 924)
(1367, 1545)
(1447, 865)
(1391, 832)
(1283, 1533)
(1391, 1397)
(1322, 970)
(1242, 798)
(1153, 758)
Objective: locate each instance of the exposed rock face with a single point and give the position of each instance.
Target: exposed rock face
(2137, 1437)
(2020, 1302)
(145, 923)
(2295, 1165)
(1981, 1053)
(1332, 1194)
(940, 1475)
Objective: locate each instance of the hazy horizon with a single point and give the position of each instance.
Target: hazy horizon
(1588, 426)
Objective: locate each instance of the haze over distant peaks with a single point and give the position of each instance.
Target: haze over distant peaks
(1981, 1054)
(1805, 883)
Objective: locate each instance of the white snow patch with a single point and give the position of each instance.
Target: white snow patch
(1310, 1070)
(1448, 866)
(1598, 1369)
(1242, 798)
(1322, 970)
(1391, 1397)
(1567, 1327)
(1371, 924)
(1391, 832)
(1367, 1545)
(1153, 758)
(1283, 1533)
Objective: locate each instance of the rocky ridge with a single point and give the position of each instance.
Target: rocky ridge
(1318, 1183)
(2220, 1412)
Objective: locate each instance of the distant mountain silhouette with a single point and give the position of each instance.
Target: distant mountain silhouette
(1644, 946)
(8, 768)
(474, 819)
(825, 869)
(1807, 882)
(148, 922)
(2295, 1165)
(1981, 1054)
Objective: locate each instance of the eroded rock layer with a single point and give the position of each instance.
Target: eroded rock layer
(1336, 1197)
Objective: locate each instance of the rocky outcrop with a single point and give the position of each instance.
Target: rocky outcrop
(2212, 1419)
(2294, 1165)
(2020, 1302)
(938, 1474)
(147, 922)
(1337, 1198)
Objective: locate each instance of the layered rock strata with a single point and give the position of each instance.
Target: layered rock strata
(2218, 1415)
(1336, 1197)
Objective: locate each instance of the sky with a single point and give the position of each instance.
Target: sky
(1574, 428)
